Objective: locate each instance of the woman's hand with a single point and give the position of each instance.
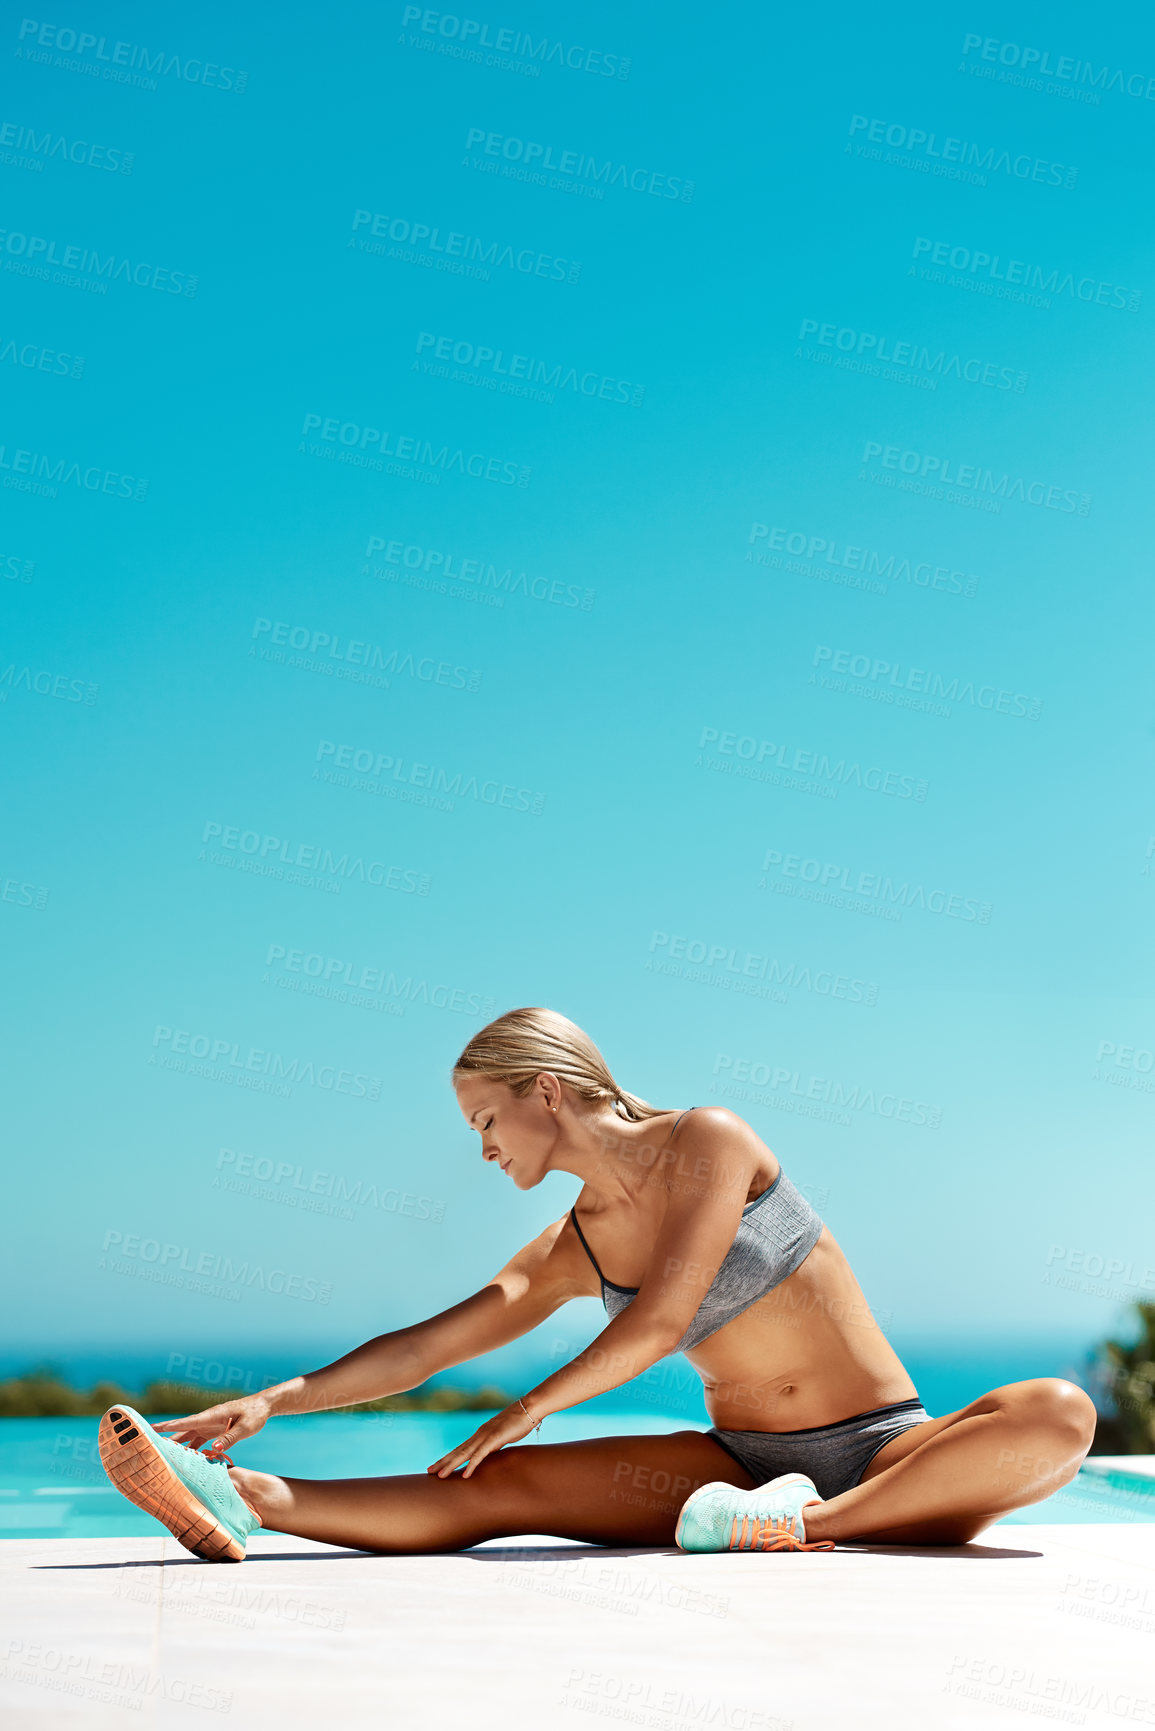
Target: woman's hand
(224, 1425)
(496, 1433)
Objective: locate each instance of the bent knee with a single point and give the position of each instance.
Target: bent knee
(1061, 1406)
(1073, 1409)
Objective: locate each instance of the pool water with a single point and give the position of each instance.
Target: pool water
(52, 1485)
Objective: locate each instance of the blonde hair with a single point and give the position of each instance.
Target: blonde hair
(518, 1046)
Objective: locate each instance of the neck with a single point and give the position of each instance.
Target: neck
(612, 1156)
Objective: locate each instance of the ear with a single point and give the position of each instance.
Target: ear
(549, 1091)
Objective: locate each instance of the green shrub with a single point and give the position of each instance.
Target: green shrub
(43, 1393)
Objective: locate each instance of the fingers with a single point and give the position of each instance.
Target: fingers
(201, 1427)
(472, 1452)
(450, 1463)
(476, 1459)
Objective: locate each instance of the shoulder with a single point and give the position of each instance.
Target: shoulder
(714, 1152)
(556, 1256)
(549, 1245)
(714, 1126)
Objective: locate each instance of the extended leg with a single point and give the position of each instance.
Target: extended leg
(944, 1481)
(611, 1491)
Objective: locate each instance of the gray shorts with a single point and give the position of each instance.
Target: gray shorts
(835, 1456)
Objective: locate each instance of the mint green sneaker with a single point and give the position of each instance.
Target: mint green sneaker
(192, 1494)
(718, 1517)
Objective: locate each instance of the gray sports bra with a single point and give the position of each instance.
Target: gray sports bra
(775, 1235)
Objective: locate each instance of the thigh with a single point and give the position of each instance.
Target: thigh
(899, 1447)
(613, 1490)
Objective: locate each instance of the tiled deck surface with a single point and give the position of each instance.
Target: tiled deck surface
(1054, 1622)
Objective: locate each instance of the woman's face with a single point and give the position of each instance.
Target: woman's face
(517, 1135)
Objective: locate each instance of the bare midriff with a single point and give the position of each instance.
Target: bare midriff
(808, 1353)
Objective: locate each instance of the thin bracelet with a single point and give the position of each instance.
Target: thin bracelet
(527, 1413)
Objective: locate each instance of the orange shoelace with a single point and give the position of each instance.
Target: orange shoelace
(210, 1453)
(777, 1533)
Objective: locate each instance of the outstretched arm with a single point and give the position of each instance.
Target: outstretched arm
(531, 1287)
(701, 1219)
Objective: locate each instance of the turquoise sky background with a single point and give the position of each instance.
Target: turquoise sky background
(964, 1089)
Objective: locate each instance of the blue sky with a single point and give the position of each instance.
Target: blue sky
(972, 1103)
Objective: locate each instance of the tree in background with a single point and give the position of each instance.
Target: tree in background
(1124, 1382)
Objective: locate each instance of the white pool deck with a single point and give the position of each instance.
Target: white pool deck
(1054, 1622)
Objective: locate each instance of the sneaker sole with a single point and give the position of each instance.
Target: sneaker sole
(140, 1472)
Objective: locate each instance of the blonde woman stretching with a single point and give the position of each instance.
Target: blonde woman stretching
(696, 1240)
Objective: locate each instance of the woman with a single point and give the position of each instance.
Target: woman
(696, 1240)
